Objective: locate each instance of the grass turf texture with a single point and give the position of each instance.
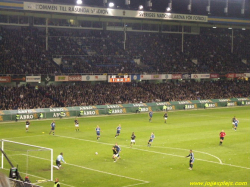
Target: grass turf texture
(162, 164)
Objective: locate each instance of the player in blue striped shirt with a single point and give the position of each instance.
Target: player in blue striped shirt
(191, 161)
(53, 126)
(118, 130)
(98, 132)
(152, 137)
(150, 115)
(236, 122)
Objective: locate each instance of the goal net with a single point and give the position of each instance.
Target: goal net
(31, 160)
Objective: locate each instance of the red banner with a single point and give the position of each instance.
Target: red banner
(75, 78)
(230, 75)
(176, 76)
(5, 79)
(214, 76)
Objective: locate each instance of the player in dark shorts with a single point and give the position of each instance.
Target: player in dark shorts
(165, 117)
(191, 161)
(152, 137)
(222, 135)
(98, 132)
(115, 153)
(118, 130)
(76, 125)
(233, 121)
(118, 150)
(150, 114)
(27, 124)
(58, 161)
(236, 122)
(53, 127)
(133, 136)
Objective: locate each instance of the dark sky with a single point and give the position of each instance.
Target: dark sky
(179, 6)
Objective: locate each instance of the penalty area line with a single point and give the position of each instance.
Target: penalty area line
(220, 162)
(193, 150)
(109, 173)
(144, 182)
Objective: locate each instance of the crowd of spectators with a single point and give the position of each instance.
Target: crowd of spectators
(24, 97)
(23, 51)
(85, 94)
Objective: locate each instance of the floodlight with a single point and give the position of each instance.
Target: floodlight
(149, 3)
(111, 5)
(168, 9)
(127, 2)
(79, 2)
(189, 7)
(243, 7)
(140, 7)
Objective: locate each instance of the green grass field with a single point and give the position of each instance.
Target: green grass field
(163, 164)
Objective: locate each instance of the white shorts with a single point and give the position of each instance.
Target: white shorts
(115, 155)
(77, 125)
(27, 126)
(132, 141)
(166, 118)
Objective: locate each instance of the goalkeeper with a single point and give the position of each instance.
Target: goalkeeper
(58, 161)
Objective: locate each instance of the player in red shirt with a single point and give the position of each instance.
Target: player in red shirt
(222, 135)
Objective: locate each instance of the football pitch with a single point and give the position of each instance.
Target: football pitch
(163, 164)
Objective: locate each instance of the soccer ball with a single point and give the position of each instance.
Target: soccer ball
(96, 153)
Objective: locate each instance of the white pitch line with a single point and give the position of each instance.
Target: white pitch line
(109, 173)
(134, 184)
(193, 150)
(93, 170)
(157, 152)
(23, 136)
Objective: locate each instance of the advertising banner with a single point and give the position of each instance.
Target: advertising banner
(18, 78)
(136, 77)
(166, 76)
(155, 77)
(44, 7)
(186, 76)
(176, 76)
(247, 74)
(75, 78)
(94, 77)
(145, 77)
(5, 79)
(237, 75)
(214, 75)
(200, 76)
(33, 78)
(61, 78)
(230, 75)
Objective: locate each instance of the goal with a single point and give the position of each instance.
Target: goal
(31, 160)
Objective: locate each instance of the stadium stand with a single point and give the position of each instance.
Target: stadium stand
(81, 94)
(90, 51)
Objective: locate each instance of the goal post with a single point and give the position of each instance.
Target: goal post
(31, 158)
